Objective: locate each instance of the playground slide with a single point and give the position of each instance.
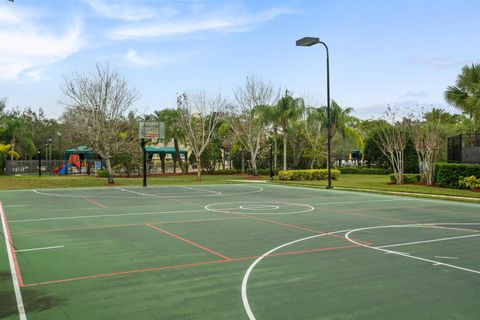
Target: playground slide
(58, 169)
(65, 166)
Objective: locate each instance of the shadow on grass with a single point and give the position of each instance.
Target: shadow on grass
(33, 300)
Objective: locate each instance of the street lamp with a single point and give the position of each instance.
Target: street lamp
(308, 42)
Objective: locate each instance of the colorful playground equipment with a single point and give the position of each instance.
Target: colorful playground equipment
(73, 161)
(77, 160)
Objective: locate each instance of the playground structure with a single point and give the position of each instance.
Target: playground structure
(76, 161)
(73, 162)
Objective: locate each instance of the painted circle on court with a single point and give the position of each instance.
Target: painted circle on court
(273, 208)
(246, 303)
(259, 207)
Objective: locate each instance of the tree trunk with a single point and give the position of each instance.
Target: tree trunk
(275, 148)
(243, 161)
(110, 173)
(254, 164)
(178, 156)
(199, 168)
(285, 139)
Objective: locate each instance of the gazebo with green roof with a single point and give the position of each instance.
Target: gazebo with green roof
(85, 151)
(163, 151)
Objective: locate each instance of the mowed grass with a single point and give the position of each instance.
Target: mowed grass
(363, 182)
(35, 182)
(161, 253)
(382, 183)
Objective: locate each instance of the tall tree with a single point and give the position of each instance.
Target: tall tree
(428, 138)
(200, 115)
(314, 130)
(173, 131)
(96, 109)
(465, 94)
(17, 132)
(288, 110)
(247, 115)
(392, 140)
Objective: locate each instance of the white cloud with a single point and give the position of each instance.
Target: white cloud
(220, 21)
(132, 57)
(27, 47)
(125, 10)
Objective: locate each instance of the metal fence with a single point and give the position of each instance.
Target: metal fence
(30, 167)
(464, 148)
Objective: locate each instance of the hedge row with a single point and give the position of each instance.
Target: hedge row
(315, 174)
(364, 170)
(447, 175)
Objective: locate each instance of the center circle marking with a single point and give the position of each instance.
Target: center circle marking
(259, 207)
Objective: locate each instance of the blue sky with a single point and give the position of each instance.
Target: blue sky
(402, 53)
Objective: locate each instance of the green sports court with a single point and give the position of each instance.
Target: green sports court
(236, 251)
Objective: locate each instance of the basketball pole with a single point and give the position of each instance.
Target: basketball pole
(144, 163)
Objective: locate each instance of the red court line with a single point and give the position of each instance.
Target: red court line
(288, 225)
(190, 242)
(178, 266)
(12, 248)
(95, 202)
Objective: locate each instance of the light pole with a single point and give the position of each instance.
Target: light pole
(308, 42)
(50, 140)
(59, 134)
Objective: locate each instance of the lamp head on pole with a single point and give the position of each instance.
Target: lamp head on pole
(307, 41)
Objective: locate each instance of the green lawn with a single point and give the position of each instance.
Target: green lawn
(364, 182)
(382, 183)
(35, 182)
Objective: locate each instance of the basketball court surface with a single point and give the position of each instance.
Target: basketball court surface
(236, 251)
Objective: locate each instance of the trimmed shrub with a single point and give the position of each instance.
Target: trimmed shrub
(220, 172)
(364, 170)
(471, 182)
(302, 175)
(407, 178)
(448, 175)
(102, 173)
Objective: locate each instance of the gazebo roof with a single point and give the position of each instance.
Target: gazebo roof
(80, 150)
(163, 150)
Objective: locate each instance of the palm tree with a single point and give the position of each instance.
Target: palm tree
(173, 130)
(16, 131)
(341, 121)
(465, 94)
(6, 150)
(270, 118)
(288, 110)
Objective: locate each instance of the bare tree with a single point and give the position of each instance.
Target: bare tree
(97, 107)
(247, 118)
(200, 114)
(428, 138)
(391, 140)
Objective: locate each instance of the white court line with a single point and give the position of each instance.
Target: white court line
(17, 205)
(436, 263)
(244, 294)
(443, 257)
(35, 249)
(198, 189)
(16, 287)
(134, 192)
(428, 241)
(106, 215)
(246, 304)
